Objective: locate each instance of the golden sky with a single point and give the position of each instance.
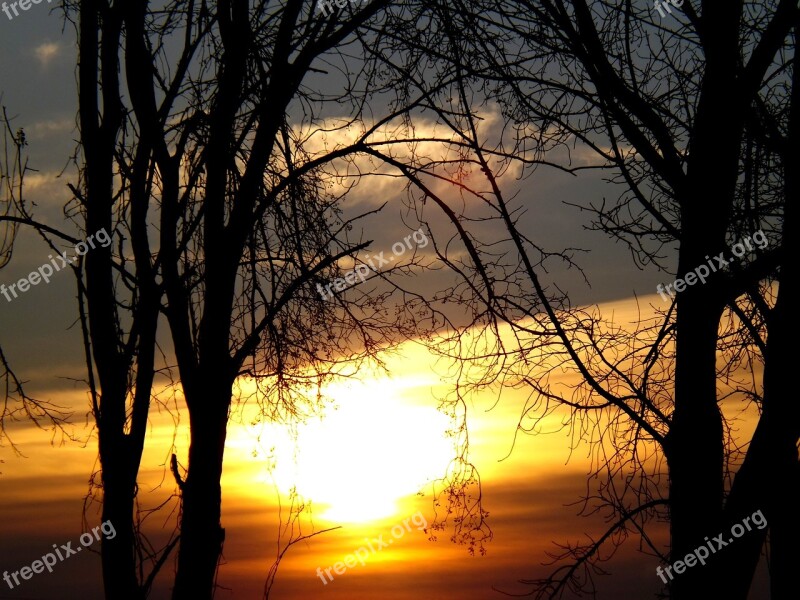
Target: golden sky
(359, 466)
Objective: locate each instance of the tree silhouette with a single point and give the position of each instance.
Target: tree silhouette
(220, 143)
(646, 95)
(14, 212)
(218, 158)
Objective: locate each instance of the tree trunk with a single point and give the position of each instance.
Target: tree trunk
(118, 558)
(202, 535)
(695, 446)
(769, 479)
(779, 378)
(120, 453)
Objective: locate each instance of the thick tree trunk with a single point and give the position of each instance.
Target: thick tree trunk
(202, 535)
(780, 385)
(120, 452)
(695, 451)
(695, 447)
(769, 479)
(118, 558)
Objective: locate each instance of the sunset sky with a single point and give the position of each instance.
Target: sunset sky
(361, 471)
(364, 462)
(360, 466)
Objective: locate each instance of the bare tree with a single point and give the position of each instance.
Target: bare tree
(646, 95)
(289, 534)
(14, 213)
(121, 426)
(121, 298)
(247, 212)
(201, 165)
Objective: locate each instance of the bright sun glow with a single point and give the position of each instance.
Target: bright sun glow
(367, 453)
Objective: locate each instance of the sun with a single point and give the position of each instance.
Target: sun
(377, 445)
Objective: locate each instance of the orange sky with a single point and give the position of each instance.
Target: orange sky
(360, 467)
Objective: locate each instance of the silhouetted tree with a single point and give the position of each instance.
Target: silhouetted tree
(648, 95)
(122, 296)
(120, 361)
(17, 404)
(218, 141)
